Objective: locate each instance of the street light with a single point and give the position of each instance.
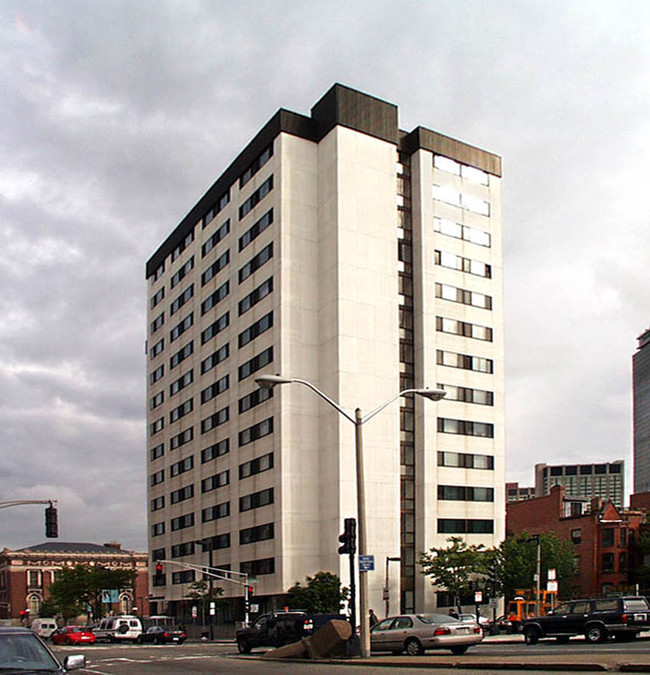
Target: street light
(270, 381)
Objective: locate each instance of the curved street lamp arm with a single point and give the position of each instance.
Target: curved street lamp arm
(325, 397)
(421, 392)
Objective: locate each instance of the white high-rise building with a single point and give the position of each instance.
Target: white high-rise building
(367, 260)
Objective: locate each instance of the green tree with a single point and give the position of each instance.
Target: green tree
(519, 563)
(77, 587)
(456, 568)
(322, 594)
(200, 591)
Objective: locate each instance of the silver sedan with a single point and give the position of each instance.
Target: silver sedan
(414, 633)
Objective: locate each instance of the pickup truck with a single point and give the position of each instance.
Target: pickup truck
(274, 630)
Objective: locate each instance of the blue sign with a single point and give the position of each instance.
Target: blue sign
(366, 563)
(110, 595)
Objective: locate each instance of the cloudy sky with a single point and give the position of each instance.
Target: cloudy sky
(116, 116)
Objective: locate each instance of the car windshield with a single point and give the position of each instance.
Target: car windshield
(25, 653)
(436, 618)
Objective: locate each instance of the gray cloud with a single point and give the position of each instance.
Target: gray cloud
(116, 116)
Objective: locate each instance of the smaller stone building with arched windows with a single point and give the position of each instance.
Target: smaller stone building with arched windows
(26, 573)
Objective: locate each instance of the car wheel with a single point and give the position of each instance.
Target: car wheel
(531, 635)
(243, 647)
(459, 649)
(414, 647)
(595, 634)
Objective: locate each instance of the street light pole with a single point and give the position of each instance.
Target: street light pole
(387, 586)
(270, 381)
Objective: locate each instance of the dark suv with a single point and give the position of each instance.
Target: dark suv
(274, 630)
(623, 617)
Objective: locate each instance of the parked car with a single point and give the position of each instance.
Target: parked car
(43, 627)
(22, 651)
(73, 635)
(274, 630)
(623, 617)
(118, 629)
(161, 635)
(483, 621)
(415, 633)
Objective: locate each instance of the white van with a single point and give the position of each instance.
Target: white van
(44, 627)
(118, 628)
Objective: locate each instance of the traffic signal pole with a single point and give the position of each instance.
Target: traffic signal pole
(51, 513)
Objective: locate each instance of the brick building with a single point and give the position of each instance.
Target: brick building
(606, 538)
(25, 575)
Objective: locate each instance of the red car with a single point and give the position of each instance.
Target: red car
(73, 635)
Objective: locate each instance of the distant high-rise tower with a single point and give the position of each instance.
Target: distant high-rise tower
(605, 480)
(367, 260)
(641, 386)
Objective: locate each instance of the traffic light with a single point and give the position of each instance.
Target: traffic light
(51, 522)
(250, 591)
(159, 569)
(247, 599)
(349, 537)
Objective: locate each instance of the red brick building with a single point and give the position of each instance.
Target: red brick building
(606, 539)
(25, 575)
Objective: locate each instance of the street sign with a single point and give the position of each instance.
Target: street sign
(366, 563)
(213, 608)
(478, 596)
(195, 612)
(109, 595)
(552, 574)
(551, 586)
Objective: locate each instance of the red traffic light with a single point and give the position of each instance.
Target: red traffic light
(250, 591)
(159, 568)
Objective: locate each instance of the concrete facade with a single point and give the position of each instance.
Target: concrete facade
(372, 263)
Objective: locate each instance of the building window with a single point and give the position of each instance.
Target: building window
(160, 270)
(215, 358)
(457, 262)
(157, 426)
(255, 466)
(216, 267)
(255, 230)
(215, 389)
(181, 410)
(256, 165)
(157, 297)
(158, 503)
(182, 272)
(157, 529)
(181, 327)
(182, 522)
(157, 451)
(256, 329)
(215, 328)
(463, 296)
(184, 577)
(253, 399)
(180, 550)
(189, 238)
(157, 400)
(465, 526)
(257, 294)
(256, 197)
(157, 374)
(182, 382)
(576, 536)
(181, 494)
(157, 323)
(470, 330)
(215, 450)
(181, 299)
(450, 195)
(256, 262)
(256, 431)
(459, 231)
(256, 500)
(215, 298)
(215, 512)
(258, 567)
(181, 439)
(469, 173)
(467, 394)
(607, 537)
(33, 579)
(158, 554)
(250, 535)
(215, 238)
(215, 420)
(465, 361)
(465, 427)
(218, 206)
(252, 365)
(608, 562)
(182, 466)
(216, 481)
(465, 493)
(181, 355)
(157, 477)
(465, 460)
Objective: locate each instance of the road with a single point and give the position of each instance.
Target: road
(483, 659)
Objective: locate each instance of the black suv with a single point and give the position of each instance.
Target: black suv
(274, 630)
(596, 619)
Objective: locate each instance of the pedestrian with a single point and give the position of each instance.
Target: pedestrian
(373, 618)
